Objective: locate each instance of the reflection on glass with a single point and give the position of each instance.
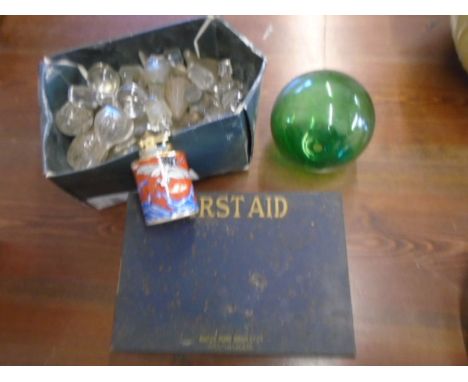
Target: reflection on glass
(323, 119)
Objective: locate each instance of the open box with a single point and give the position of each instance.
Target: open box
(218, 147)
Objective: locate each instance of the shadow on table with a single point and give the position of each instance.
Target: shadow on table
(223, 360)
(277, 172)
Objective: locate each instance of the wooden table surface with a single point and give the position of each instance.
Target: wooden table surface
(405, 199)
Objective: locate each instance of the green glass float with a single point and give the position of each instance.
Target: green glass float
(323, 119)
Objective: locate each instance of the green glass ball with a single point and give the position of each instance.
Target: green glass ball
(323, 119)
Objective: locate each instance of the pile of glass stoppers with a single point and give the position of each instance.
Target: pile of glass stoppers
(174, 90)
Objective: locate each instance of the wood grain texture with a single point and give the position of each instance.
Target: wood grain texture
(405, 199)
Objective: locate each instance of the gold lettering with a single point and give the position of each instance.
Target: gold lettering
(237, 199)
(281, 207)
(256, 208)
(224, 339)
(206, 203)
(222, 207)
(240, 339)
(269, 215)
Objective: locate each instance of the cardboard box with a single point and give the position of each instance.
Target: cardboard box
(221, 146)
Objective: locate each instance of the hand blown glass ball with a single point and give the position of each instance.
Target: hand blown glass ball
(323, 119)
